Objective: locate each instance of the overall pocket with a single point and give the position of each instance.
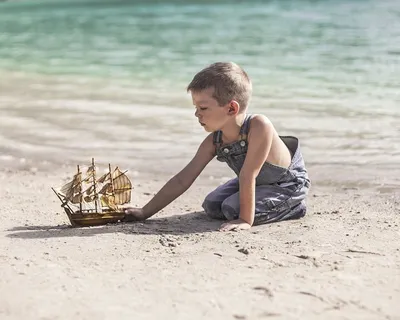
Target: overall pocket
(236, 162)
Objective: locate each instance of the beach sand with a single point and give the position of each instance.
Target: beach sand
(342, 261)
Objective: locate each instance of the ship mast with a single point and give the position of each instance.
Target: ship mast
(111, 179)
(80, 191)
(96, 196)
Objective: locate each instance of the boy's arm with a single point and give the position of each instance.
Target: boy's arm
(182, 180)
(259, 146)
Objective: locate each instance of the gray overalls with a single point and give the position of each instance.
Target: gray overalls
(280, 192)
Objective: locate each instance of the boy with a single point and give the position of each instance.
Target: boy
(271, 183)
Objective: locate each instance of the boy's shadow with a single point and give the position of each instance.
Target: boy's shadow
(190, 223)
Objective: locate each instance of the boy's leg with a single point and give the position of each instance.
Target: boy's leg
(281, 214)
(272, 204)
(213, 201)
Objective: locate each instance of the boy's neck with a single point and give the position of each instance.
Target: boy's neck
(230, 132)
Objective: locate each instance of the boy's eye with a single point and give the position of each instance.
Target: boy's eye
(203, 108)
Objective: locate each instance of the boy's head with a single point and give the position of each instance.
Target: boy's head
(220, 90)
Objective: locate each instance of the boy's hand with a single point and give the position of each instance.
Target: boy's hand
(133, 214)
(234, 225)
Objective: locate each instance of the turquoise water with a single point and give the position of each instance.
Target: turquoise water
(326, 71)
(310, 49)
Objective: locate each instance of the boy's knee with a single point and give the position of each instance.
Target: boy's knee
(230, 208)
(212, 209)
(217, 200)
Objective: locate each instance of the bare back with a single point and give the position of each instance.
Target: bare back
(279, 154)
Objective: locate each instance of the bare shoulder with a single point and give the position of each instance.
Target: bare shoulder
(207, 146)
(260, 119)
(260, 123)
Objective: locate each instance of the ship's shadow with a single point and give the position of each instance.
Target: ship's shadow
(179, 224)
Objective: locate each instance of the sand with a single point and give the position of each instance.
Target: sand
(342, 261)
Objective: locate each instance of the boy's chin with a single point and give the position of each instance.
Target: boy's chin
(207, 129)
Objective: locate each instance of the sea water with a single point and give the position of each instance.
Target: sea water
(108, 78)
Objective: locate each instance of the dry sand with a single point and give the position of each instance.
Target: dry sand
(342, 261)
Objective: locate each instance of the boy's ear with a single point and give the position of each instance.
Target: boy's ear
(233, 107)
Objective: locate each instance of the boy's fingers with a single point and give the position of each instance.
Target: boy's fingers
(228, 227)
(130, 211)
(223, 226)
(232, 227)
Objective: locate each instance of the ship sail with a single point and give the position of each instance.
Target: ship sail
(89, 190)
(109, 201)
(72, 191)
(117, 189)
(106, 189)
(104, 178)
(90, 173)
(122, 187)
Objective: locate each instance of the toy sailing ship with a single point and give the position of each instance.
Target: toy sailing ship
(96, 201)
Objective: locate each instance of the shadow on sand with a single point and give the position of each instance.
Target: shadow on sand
(190, 223)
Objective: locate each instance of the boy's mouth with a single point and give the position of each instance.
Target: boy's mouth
(202, 124)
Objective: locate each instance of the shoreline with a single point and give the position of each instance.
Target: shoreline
(51, 125)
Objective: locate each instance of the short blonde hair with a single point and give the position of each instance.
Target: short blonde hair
(230, 82)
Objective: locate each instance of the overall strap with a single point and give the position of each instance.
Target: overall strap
(217, 138)
(244, 130)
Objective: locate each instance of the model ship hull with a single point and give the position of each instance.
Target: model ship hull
(91, 219)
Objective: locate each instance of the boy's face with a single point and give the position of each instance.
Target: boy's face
(211, 116)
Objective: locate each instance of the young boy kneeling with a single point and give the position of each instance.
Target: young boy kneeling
(272, 182)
